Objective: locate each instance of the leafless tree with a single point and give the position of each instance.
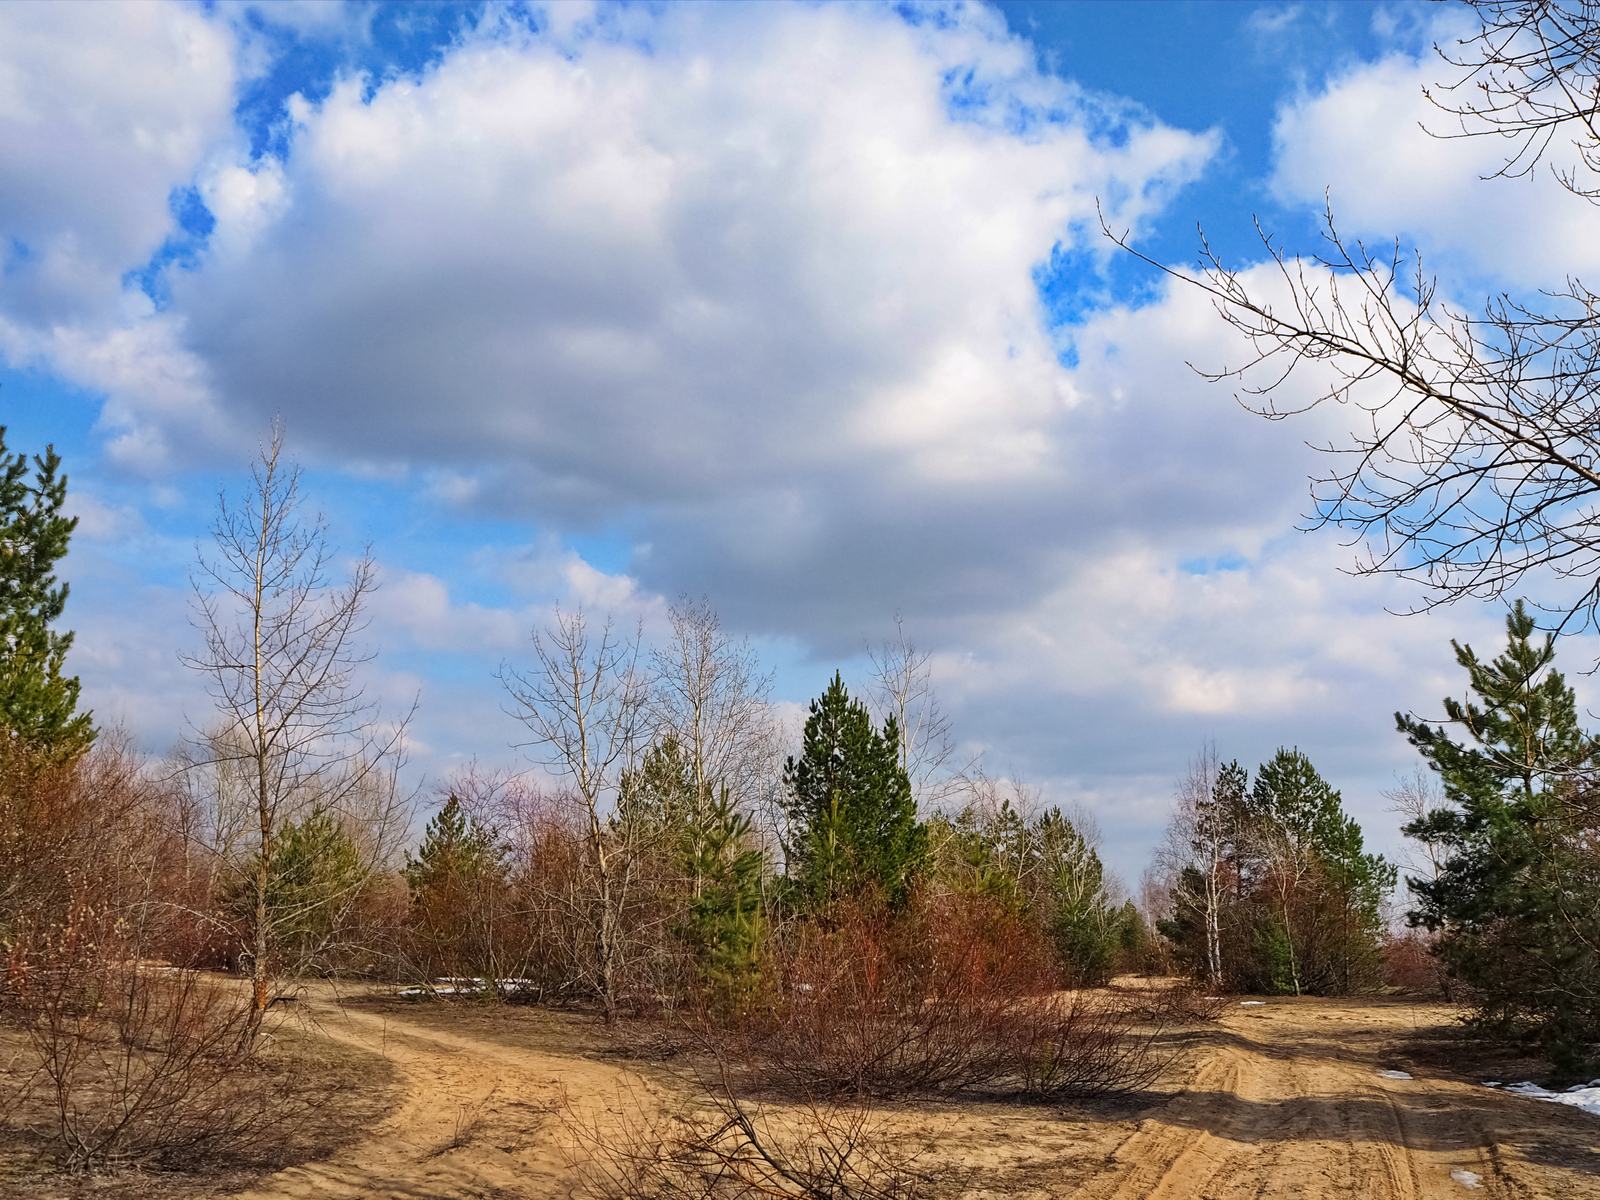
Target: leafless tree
(585, 703)
(1413, 797)
(711, 698)
(1474, 461)
(294, 724)
(1530, 73)
(902, 687)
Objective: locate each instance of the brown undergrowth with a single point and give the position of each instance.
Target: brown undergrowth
(112, 1064)
(870, 1008)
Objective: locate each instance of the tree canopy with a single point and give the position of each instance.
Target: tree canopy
(853, 820)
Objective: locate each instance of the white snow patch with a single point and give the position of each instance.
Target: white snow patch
(1395, 1074)
(1250, 1003)
(1582, 1095)
(1466, 1178)
(461, 985)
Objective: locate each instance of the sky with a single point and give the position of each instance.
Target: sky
(802, 308)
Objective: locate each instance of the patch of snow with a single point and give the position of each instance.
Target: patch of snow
(1584, 1095)
(1395, 1074)
(1466, 1178)
(1250, 1003)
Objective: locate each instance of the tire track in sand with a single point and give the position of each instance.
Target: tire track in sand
(1287, 1108)
(477, 1119)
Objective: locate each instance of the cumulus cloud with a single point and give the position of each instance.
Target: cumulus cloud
(1371, 143)
(773, 245)
(103, 113)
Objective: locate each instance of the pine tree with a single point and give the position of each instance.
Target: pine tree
(726, 924)
(850, 806)
(1080, 917)
(1323, 892)
(1518, 896)
(37, 702)
(315, 877)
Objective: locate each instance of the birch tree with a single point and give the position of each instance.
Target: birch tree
(902, 687)
(293, 722)
(584, 702)
(710, 703)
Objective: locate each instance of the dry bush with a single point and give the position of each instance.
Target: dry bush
(1410, 965)
(127, 1059)
(140, 1064)
(956, 994)
(545, 926)
(735, 1150)
(1175, 1001)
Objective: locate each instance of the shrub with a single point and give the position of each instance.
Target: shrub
(141, 1064)
(957, 993)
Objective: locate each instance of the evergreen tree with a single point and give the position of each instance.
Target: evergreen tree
(316, 874)
(851, 809)
(1322, 892)
(1080, 916)
(1518, 896)
(37, 702)
(726, 925)
(456, 851)
(985, 854)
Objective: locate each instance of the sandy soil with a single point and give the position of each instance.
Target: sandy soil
(478, 1118)
(1284, 1100)
(1288, 1101)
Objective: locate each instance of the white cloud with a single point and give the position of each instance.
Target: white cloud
(104, 110)
(1374, 144)
(759, 250)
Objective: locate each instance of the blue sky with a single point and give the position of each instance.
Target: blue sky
(799, 307)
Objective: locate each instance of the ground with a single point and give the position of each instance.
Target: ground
(1278, 1099)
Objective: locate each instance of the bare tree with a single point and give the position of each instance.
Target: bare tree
(294, 725)
(1413, 797)
(711, 698)
(1476, 460)
(585, 704)
(902, 687)
(1531, 72)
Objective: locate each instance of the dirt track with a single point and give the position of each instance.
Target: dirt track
(1280, 1100)
(478, 1118)
(1290, 1102)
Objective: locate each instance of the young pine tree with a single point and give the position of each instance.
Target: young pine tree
(37, 702)
(726, 925)
(1518, 895)
(854, 821)
(458, 883)
(315, 878)
(1080, 917)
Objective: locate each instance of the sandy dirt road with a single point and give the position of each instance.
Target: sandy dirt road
(477, 1118)
(1289, 1101)
(1281, 1100)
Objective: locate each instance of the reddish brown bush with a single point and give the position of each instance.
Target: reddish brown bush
(140, 1063)
(954, 994)
(1409, 965)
